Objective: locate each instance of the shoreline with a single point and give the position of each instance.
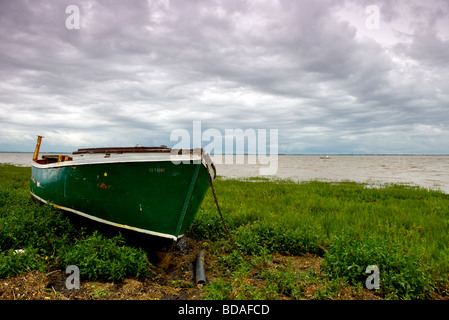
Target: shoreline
(367, 184)
(323, 170)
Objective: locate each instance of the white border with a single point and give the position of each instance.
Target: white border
(154, 233)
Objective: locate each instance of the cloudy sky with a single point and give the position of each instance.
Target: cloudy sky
(332, 76)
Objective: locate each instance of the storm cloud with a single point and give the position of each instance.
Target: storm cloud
(315, 70)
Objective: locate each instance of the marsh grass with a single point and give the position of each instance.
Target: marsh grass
(402, 229)
(47, 240)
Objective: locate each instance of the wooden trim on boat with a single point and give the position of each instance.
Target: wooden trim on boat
(122, 149)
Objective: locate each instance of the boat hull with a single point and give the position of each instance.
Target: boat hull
(160, 198)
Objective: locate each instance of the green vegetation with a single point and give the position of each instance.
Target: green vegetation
(38, 237)
(401, 229)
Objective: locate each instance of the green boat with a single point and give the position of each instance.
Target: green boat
(150, 190)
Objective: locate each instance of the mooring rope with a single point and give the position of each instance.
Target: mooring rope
(224, 223)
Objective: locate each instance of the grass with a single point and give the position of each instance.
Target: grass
(401, 229)
(49, 241)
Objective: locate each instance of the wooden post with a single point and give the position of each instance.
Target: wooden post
(38, 146)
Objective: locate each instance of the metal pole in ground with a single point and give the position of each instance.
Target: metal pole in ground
(199, 269)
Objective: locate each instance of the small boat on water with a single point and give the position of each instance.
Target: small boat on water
(151, 190)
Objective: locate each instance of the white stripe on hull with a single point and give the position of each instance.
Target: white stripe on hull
(154, 233)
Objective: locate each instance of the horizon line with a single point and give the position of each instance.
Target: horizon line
(283, 154)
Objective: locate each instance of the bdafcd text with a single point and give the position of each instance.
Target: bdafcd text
(227, 309)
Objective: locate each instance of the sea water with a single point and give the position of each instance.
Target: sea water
(428, 171)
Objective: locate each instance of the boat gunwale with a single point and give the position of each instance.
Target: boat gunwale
(177, 156)
(176, 159)
(121, 150)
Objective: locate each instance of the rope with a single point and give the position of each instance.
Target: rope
(224, 223)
